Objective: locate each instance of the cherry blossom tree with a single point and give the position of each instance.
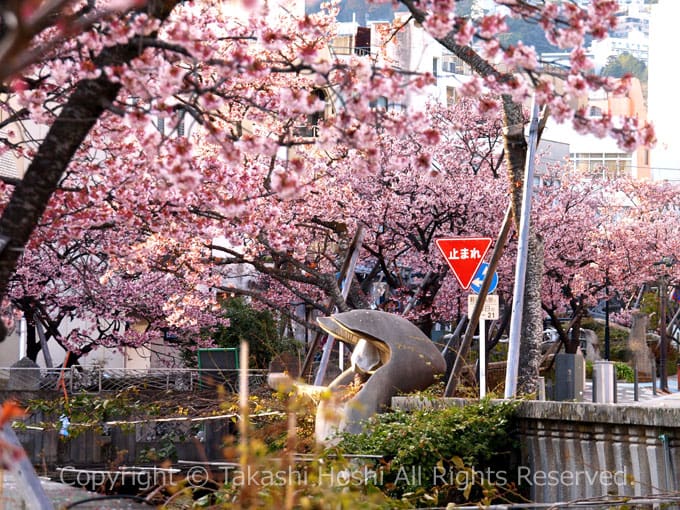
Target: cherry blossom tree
(115, 187)
(602, 234)
(566, 26)
(96, 119)
(118, 250)
(569, 220)
(512, 72)
(36, 33)
(444, 181)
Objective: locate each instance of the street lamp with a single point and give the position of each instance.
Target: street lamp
(606, 318)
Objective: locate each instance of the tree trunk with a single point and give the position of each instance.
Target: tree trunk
(637, 340)
(32, 345)
(532, 323)
(573, 343)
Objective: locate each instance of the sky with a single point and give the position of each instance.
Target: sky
(664, 106)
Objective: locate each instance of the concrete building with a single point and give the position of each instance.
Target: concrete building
(601, 157)
(635, 43)
(415, 50)
(411, 49)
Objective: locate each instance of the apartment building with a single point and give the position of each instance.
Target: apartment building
(601, 157)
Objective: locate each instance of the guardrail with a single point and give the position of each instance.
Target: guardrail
(97, 380)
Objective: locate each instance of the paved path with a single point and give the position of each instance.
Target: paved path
(62, 495)
(646, 396)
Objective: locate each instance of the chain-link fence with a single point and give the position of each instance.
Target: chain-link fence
(97, 379)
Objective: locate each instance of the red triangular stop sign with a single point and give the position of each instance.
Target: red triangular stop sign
(464, 256)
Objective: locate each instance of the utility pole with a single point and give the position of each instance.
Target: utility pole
(521, 265)
(347, 274)
(473, 321)
(345, 279)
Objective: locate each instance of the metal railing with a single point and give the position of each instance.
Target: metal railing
(97, 379)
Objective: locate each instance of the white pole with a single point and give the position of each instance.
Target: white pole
(325, 357)
(482, 358)
(243, 395)
(521, 266)
(23, 336)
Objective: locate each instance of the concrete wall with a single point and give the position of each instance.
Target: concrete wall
(595, 449)
(572, 451)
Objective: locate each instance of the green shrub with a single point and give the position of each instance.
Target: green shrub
(428, 453)
(624, 373)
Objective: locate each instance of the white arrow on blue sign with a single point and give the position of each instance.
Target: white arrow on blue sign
(477, 281)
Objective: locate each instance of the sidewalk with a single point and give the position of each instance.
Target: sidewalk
(646, 397)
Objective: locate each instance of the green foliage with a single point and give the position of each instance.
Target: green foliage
(624, 373)
(589, 369)
(321, 484)
(625, 63)
(319, 481)
(620, 353)
(649, 305)
(437, 455)
(166, 450)
(257, 327)
(165, 446)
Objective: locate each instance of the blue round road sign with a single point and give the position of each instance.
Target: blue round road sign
(476, 284)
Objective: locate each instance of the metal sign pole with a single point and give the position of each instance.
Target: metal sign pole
(482, 358)
(477, 308)
(348, 272)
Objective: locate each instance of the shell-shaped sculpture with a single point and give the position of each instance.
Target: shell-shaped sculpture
(391, 355)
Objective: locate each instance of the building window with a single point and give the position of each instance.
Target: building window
(451, 96)
(595, 112)
(181, 125)
(454, 65)
(311, 128)
(343, 45)
(181, 128)
(380, 103)
(600, 165)
(363, 41)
